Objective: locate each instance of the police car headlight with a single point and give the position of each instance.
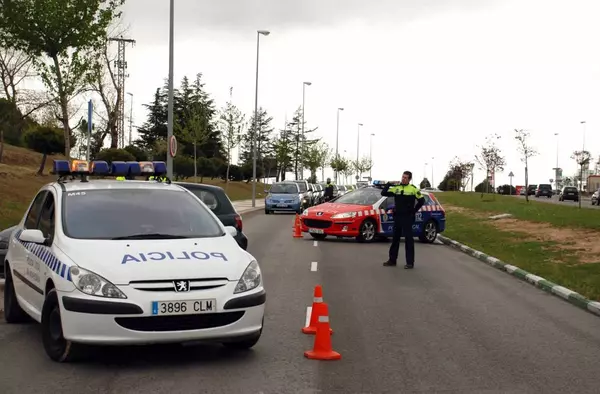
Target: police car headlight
(251, 278)
(90, 283)
(345, 215)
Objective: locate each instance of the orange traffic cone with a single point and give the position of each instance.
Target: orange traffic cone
(298, 228)
(296, 221)
(322, 347)
(315, 312)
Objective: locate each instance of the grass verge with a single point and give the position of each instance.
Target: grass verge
(19, 183)
(538, 258)
(555, 214)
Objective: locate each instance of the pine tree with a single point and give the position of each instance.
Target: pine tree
(263, 140)
(231, 124)
(155, 128)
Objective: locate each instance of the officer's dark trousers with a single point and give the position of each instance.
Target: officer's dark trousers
(403, 228)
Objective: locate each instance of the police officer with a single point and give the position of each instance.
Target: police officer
(328, 190)
(408, 200)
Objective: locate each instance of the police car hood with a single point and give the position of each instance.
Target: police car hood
(123, 261)
(331, 208)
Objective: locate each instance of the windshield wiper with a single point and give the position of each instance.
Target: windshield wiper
(151, 236)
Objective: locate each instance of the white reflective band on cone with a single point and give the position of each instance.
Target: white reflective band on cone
(323, 319)
(318, 299)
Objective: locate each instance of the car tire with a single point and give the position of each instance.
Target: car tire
(57, 347)
(13, 313)
(267, 212)
(367, 231)
(318, 236)
(430, 231)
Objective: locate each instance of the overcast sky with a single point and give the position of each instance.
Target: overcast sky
(430, 78)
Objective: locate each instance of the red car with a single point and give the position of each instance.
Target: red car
(366, 215)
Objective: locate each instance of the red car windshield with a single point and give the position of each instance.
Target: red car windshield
(366, 196)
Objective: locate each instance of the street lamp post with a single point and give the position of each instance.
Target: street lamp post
(258, 34)
(371, 157)
(432, 159)
(337, 137)
(130, 117)
(556, 169)
(170, 100)
(304, 85)
(357, 151)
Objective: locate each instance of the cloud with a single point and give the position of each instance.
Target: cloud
(243, 15)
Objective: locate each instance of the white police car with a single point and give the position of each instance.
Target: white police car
(128, 262)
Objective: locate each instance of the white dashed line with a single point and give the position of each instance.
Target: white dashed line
(313, 266)
(308, 311)
(315, 243)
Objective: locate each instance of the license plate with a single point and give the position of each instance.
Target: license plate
(316, 231)
(187, 307)
(282, 205)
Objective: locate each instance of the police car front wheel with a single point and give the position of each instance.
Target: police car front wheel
(429, 232)
(57, 347)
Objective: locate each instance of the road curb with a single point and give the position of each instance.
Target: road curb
(566, 294)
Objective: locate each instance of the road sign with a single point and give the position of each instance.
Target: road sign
(511, 174)
(173, 146)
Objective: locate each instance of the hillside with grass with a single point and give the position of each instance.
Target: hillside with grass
(19, 183)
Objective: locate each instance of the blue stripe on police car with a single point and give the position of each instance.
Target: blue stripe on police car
(160, 256)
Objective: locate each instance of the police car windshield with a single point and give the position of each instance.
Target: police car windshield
(136, 214)
(367, 196)
(284, 188)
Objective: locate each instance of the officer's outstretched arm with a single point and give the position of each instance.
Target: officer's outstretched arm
(386, 191)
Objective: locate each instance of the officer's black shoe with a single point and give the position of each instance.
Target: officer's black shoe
(409, 266)
(389, 264)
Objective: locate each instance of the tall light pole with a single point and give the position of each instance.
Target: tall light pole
(371, 156)
(432, 159)
(258, 34)
(170, 102)
(357, 151)
(556, 169)
(304, 85)
(425, 170)
(337, 137)
(130, 116)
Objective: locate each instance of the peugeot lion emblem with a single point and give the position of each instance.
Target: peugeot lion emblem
(319, 213)
(181, 285)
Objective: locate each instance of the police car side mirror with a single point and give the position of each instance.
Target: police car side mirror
(231, 230)
(34, 236)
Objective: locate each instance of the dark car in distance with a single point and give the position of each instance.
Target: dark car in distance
(569, 193)
(216, 199)
(531, 190)
(4, 237)
(544, 190)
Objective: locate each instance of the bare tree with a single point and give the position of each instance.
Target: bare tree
(582, 158)
(460, 172)
(15, 67)
(490, 159)
(526, 152)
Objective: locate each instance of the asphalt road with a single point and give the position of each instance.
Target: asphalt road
(452, 325)
(585, 201)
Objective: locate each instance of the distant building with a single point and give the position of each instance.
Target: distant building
(593, 183)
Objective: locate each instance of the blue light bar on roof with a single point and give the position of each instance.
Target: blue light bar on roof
(119, 168)
(160, 168)
(99, 168)
(377, 183)
(134, 168)
(61, 167)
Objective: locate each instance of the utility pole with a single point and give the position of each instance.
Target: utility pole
(121, 67)
(130, 118)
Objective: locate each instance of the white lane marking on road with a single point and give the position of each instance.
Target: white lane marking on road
(308, 312)
(313, 266)
(315, 243)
